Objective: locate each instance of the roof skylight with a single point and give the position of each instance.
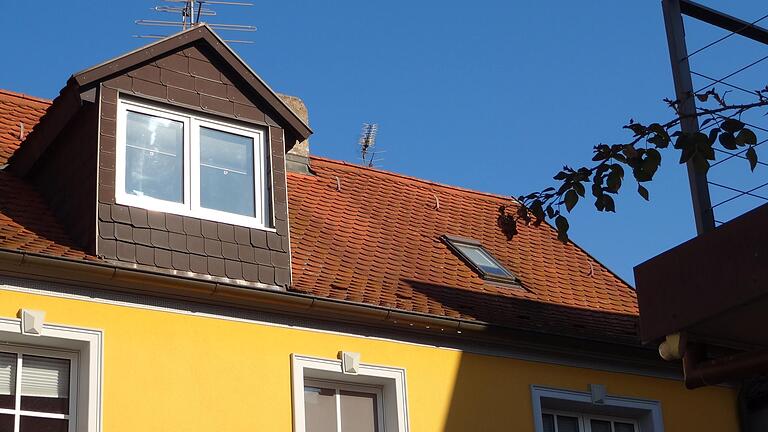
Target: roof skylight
(479, 259)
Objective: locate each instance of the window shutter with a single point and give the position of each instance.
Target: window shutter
(44, 377)
(7, 373)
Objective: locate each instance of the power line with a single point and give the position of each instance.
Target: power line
(741, 193)
(725, 37)
(733, 73)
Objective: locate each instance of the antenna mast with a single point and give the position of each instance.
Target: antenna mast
(192, 13)
(367, 142)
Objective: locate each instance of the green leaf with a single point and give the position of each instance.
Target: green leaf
(752, 158)
(537, 210)
(747, 137)
(560, 176)
(609, 204)
(597, 190)
(579, 188)
(728, 141)
(731, 125)
(614, 182)
(618, 170)
(600, 202)
(561, 223)
(713, 135)
(570, 199)
(642, 191)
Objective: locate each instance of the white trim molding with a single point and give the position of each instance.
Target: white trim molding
(646, 412)
(391, 381)
(86, 345)
(190, 204)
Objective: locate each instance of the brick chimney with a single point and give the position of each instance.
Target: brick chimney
(297, 159)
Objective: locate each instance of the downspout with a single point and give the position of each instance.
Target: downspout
(700, 372)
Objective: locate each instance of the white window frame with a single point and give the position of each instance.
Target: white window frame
(645, 413)
(360, 388)
(584, 419)
(191, 166)
(390, 380)
(84, 347)
(17, 412)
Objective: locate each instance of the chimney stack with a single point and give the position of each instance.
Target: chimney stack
(297, 159)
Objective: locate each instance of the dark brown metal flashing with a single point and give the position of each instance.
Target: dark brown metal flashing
(56, 118)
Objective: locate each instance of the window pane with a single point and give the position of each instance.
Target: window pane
(44, 384)
(226, 172)
(549, 422)
(154, 157)
(320, 409)
(567, 424)
(623, 427)
(6, 423)
(7, 380)
(37, 424)
(358, 412)
(481, 259)
(600, 425)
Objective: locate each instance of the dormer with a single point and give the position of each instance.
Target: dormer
(172, 158)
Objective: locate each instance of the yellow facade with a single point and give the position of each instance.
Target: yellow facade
(173, 371)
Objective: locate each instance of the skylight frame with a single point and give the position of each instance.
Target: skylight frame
(455, 243)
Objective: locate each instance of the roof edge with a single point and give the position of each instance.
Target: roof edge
(203, 32)
(126, 278)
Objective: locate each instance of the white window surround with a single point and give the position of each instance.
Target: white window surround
(84, 346)
(191, 166)
(646, 413)
(391, 380)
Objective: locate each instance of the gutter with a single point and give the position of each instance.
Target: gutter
(126, 278)
(116, 277)
(699, 372)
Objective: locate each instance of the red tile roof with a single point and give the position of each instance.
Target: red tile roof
(17, 109)
(368, 236)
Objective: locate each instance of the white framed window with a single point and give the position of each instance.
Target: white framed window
(38, 389)
(51, 381)
(327, 400)
(190, 164)
(331, 406)
(563, 421)
(561, 410)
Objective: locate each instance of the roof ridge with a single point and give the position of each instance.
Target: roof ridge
(17, 95)
(351, 165)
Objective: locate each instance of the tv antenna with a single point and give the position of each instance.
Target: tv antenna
(367, 143)
(194, 12)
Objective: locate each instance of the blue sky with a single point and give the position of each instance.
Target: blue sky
(488, 95)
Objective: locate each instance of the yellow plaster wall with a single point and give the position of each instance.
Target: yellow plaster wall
(167, 371)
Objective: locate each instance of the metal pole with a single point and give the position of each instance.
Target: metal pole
(681, 74)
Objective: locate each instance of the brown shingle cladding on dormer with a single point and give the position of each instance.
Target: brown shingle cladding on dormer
(190, 79)
(71, 156)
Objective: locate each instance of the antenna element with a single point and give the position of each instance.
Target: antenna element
(367, 142)
(192, 12)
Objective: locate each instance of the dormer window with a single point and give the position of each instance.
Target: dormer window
(188, 164)
(479, 259)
